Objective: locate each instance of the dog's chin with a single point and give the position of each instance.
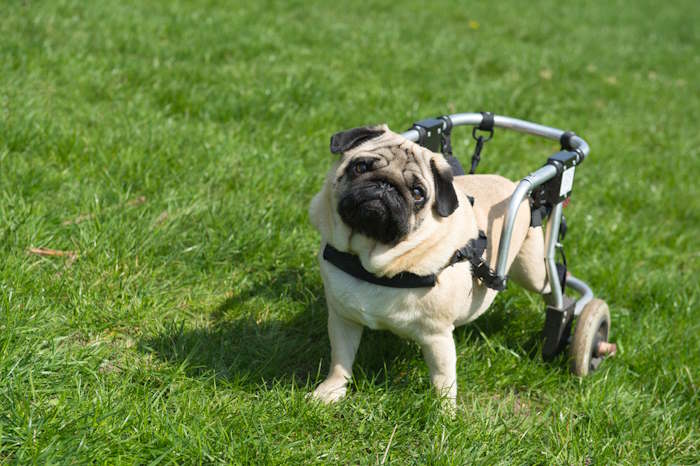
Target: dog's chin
(385, 219)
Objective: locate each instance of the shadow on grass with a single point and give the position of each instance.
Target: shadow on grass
(241, 344)
(496, 325)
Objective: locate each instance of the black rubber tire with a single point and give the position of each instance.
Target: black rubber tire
(592, 326)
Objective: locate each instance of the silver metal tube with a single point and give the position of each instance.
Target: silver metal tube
(462, 119)
(522, 126)
(411, 135)
(505, 122)
(523, 189)
(551, 238)
(542, 175)
(521, 192)
(583, 289)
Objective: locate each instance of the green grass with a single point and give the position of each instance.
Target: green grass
(191, 325)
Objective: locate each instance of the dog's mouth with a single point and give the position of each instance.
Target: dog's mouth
(376, 209)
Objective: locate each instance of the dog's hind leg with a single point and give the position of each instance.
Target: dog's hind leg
(345, 338)
(528, 269)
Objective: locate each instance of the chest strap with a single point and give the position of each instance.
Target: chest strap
(350, 264)
(472, 252)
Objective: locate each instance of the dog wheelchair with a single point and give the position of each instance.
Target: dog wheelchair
(548, 190)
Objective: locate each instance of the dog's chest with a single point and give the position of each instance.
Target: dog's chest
(377, 307)
(406, 312)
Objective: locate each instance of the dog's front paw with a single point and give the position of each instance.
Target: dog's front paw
(329, 391)
(448, 406)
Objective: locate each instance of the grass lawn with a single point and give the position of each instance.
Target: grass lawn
(171, 149)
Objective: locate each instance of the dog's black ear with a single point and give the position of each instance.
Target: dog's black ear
(346, 140)
(446, 200)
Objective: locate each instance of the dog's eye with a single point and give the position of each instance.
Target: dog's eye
(418, 193)
(360, 167)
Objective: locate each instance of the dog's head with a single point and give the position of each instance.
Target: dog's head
(385, 186)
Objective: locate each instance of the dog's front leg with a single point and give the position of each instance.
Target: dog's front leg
(441, 357)
(345, 338)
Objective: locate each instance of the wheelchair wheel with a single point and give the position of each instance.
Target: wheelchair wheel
(590, 344)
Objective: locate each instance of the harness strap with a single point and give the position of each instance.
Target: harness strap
(472, 252)
(350, 264)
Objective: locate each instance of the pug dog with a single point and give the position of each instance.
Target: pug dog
(392, 208)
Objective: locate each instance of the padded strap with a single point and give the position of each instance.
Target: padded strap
(474, 252)
(350, 264)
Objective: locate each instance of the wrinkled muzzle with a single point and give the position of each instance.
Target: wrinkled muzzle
(376, 209)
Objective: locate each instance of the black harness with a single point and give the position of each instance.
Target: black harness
(473, 252)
